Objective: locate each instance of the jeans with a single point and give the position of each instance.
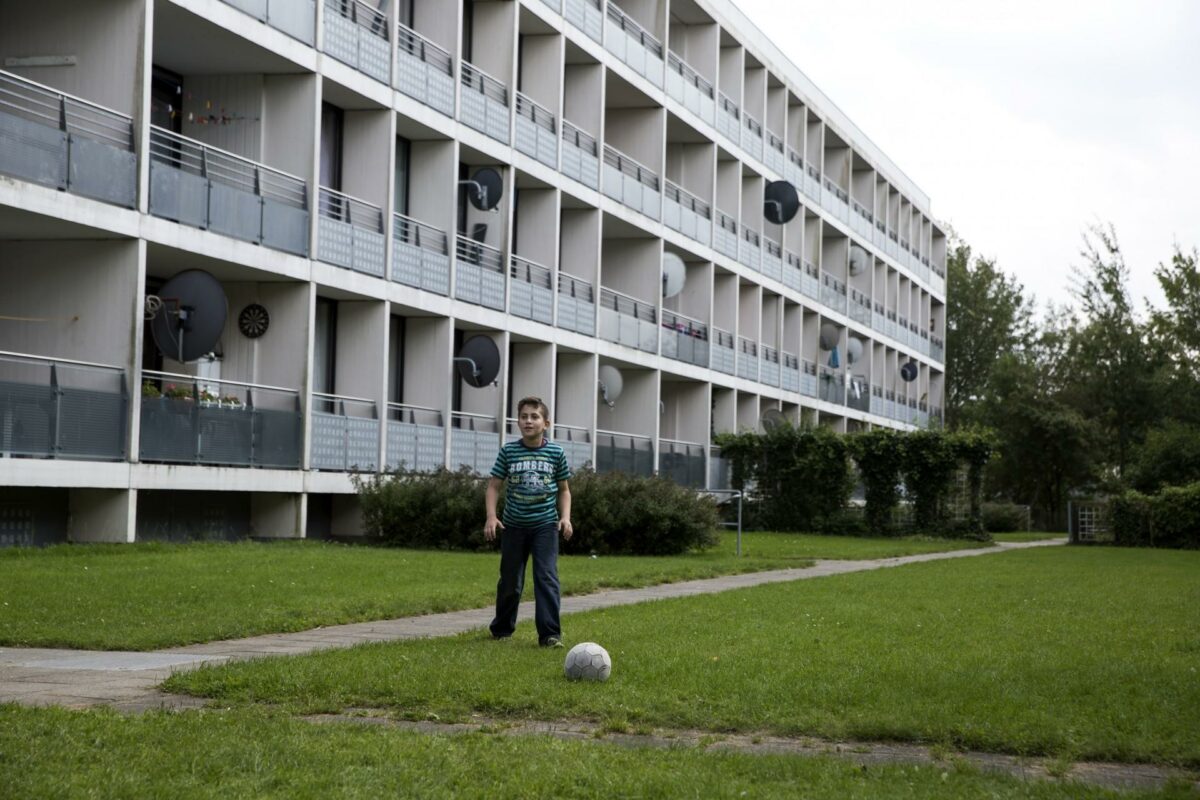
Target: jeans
(516, 544)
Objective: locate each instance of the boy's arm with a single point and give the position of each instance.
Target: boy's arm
(489, 501)
(564, 510)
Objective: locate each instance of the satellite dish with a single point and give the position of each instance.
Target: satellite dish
(858, 260)
(485, 188)
(829, 336)
(191, 316)
(854, 349)
(772, 420)
(478, 361)
(611, 383)
(674, 274)
(780, 202)
(908, 371)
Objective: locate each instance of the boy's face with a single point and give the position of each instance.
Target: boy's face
(533, 424)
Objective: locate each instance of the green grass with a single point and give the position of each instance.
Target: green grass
(1027, 536)
(1088, 653)
(65, 754)
(149, 596)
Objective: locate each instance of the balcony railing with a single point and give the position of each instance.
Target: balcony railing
(690, 89)
(631, 183)
(789, 378)
(752, 136)
(624, 452)
(801, 275)
(576, 305)
(793, 170)
(350, 233)
(536, 131)
(187, 419)
(750, 248)
(808, 378)
(628, 321)
(474, 441)
(686, 213)
(416, 438)
(296, 18)
(833, 293)
(424, 71)
(631, 43)
(860, 307)
(772, 259)
(587, 16)
(357, 34)
(55, 408)
(773, 154)
(199, 185)
(729, 118)
(747, 359)
(832, 385)
(479, 273)
(580, 156)
(531, 290)
(682, 462)
(858, 393)
(768, 366)
(420, 255)
(723, 351)
(719, 470)
(684, 339)
(484, 102)
(345, 433)
(60, 141)
(937, 348)
(725, 235)
(576, 443)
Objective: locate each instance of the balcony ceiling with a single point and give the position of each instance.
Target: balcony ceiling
(163, 262)
(687, 12)
(19, 225)
(191, 45)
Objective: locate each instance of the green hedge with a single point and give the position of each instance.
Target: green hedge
(1003, 517)
(1170, 518)
(441, 510)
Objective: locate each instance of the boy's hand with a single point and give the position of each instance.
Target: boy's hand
(564, 527)
(490, 527)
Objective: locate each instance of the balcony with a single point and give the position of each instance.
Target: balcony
(860, 308)
(628, 321)
(65, 143)
(892, 328)
(537, 132)
(682, 462)
(191, 420)
(747, 359)
(484, 103)
(861, 220)
(531, 291)
(752, 136)
(631, 43)
(773, 155)
(474, 441)
(416, 438)
(55, 408)
(350, 233)
(900, 330)
(833, 293)
(553, 5)
(357, 35)
(580, 156)
(686, 213)
(750, 248)
(879, 235)
(858, 393)
(723, 352)
(789, 378)
(576, 305)
(420, 255)
(690, 90)
(631, 183)
(793, 170)
(719, 470)
(725, 235)
(876, 406)
(937, 349)
(586, 16)
(878, 318)
(801, 276)
(479, 274)
(205, 187)
(772, 259)
(576, 443)
(835, 200)
(345, 434)
(812, 182)
(424, 71)
(729, 119)
(684, 339)
(296, 18)
(808, 378)
(624, 452)
(889, 404)
(832, 385)
(768, 372)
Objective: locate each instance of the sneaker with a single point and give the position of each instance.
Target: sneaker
(552, 641)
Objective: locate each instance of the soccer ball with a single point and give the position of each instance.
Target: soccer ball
(587, 661)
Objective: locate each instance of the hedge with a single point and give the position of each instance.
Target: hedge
(1170, 518)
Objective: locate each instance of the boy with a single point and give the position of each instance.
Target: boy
(537, 506)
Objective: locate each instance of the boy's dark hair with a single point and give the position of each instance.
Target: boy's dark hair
(534, 401)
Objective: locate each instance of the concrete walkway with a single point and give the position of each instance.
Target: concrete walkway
(127, 681)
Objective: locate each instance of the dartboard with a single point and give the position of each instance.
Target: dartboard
(253, 321)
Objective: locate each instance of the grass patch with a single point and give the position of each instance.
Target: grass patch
(1027, 536)
(57, 753)
(149, 596)
(1090, 652)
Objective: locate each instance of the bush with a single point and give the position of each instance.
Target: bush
(1168, 519)
(1169, 457)
(1003, 517)
(440, 510)
(620, 514)
(879, 454)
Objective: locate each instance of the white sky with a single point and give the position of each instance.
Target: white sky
(1025, 122)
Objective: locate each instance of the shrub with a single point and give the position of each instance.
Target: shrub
(929, 465)
(1003, 517)
(879, 454)
(1175, 517)
(1129, 518)
(442, 509)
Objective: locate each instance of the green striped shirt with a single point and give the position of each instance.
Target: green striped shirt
(533, 474)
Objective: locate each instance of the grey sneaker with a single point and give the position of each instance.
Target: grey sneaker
(552, 641)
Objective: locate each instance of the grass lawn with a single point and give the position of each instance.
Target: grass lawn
(56, 753)
(1073, 652)
(1027, 536)
(149, 596)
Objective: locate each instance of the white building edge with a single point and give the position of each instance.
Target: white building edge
(311, 157)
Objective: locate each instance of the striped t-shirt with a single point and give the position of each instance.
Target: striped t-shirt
(533, 474)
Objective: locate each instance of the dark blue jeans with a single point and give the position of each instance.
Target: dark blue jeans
(516, 545)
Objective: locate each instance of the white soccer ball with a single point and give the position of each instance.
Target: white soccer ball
(587, 661)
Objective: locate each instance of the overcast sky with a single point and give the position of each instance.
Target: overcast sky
(1024, 121)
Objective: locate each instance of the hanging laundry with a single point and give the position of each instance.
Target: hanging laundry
(834, 361)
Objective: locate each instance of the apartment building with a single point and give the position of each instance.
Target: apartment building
(362, 190)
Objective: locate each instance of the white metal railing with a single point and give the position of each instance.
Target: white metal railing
(579, 139)
(628, 166)
(476, 80)
(414, 44)
(344, 208)
(689, 75)
(415, 415)
(479, 254)
(575, 287)
(366, 17)
(629, 306)
(197, 158)
(29, 100)
(411, 231)
(686, 199)
(539, 115)
(633, 30)
(467, 421)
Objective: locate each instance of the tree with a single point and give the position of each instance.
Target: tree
(1175, 333)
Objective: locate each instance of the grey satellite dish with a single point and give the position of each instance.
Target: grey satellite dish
(191, 316)
(772, 420)
(908, 371)
(674, 274)
(611, 383)
(858, 260)
(478, 361)
(854, 349)
(780, 202)
(829, 336)
(485, 188)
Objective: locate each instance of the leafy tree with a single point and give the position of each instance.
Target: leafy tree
(1170, 456)
(879, 455)
(1175, 332)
